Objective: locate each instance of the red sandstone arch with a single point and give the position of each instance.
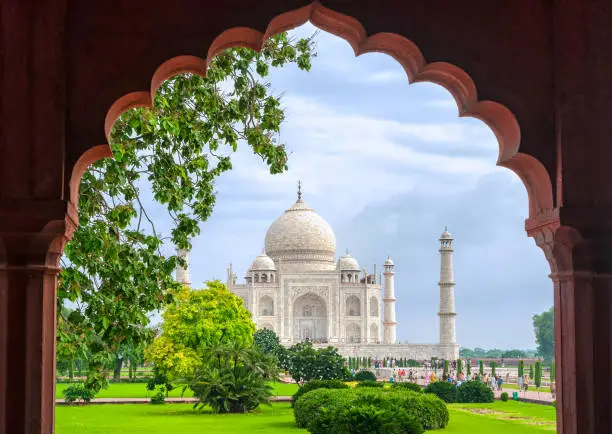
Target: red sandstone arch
(501, 120)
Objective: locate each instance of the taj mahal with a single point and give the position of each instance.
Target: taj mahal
(298, 289)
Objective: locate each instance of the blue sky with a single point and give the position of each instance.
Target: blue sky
(388, 165)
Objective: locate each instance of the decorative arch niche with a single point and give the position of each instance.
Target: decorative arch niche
(353, 306)
(374, 333)
(373, 306)
(266, 306)
(310, 318)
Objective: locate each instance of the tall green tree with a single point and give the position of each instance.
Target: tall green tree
(493, 367)
(466, 352)
(513, 354)
(544, 328)
(306, 363)
(521, 368)
(538, 374)
(459, 366)
(531, 371)
(481, 367)
(552, 371)
(114, 273)
(194, 324)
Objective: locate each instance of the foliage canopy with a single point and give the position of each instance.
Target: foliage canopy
(114, 271)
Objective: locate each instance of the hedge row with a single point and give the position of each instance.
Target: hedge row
(318, 384)
(390, 411)
(469, 391)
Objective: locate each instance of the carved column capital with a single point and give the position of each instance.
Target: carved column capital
(34, 233)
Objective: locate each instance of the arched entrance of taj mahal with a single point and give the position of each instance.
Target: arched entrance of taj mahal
(310, 321)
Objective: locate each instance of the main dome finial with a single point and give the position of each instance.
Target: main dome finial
(299, 190)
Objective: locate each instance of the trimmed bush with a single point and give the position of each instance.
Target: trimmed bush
(444, 390)
(78, 391)
(504, 396)
(428, 410)
(317, 384)
(309, 406)
(474, 391)
(160, 396)
(370, 383)
(366, 419)
(365, 375)
(410, 386)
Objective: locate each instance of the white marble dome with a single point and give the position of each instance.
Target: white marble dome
(347, 263)
(263, 263)
(446, 235)
(301, 235)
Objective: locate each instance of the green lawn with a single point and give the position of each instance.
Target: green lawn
(169, 418)
(139, 390)
(498, 418)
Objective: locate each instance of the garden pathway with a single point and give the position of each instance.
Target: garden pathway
(529, 396)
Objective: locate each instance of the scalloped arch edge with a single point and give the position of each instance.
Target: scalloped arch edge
(496, 116)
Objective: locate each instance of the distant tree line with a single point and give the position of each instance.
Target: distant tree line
(495, 353)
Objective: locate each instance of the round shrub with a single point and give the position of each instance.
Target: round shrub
(159, 397)
(474, 391)
(444, 390)
(78, 391)
(366, 419)
(309, 406)
(318, 384)
(409, 386)
(504, 396)
(370, 383)
(428, 410)
(365, 376)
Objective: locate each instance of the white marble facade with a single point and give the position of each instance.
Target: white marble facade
(297, 288)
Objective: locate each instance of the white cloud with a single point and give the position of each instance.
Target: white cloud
(442, 103)
(379, 77)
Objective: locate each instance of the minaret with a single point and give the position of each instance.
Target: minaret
(390, 324)
(230, 277)
(182, 274)
(447, 291)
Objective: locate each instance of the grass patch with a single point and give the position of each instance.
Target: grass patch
(501, 417)
(139, 390)
(496, 418)
(170, 418)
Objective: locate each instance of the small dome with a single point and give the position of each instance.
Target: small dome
(446, 235)
(263, 263)
(389, 261)
(348, 263)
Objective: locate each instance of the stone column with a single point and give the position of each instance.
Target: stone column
(29, 260)
(582, 276)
